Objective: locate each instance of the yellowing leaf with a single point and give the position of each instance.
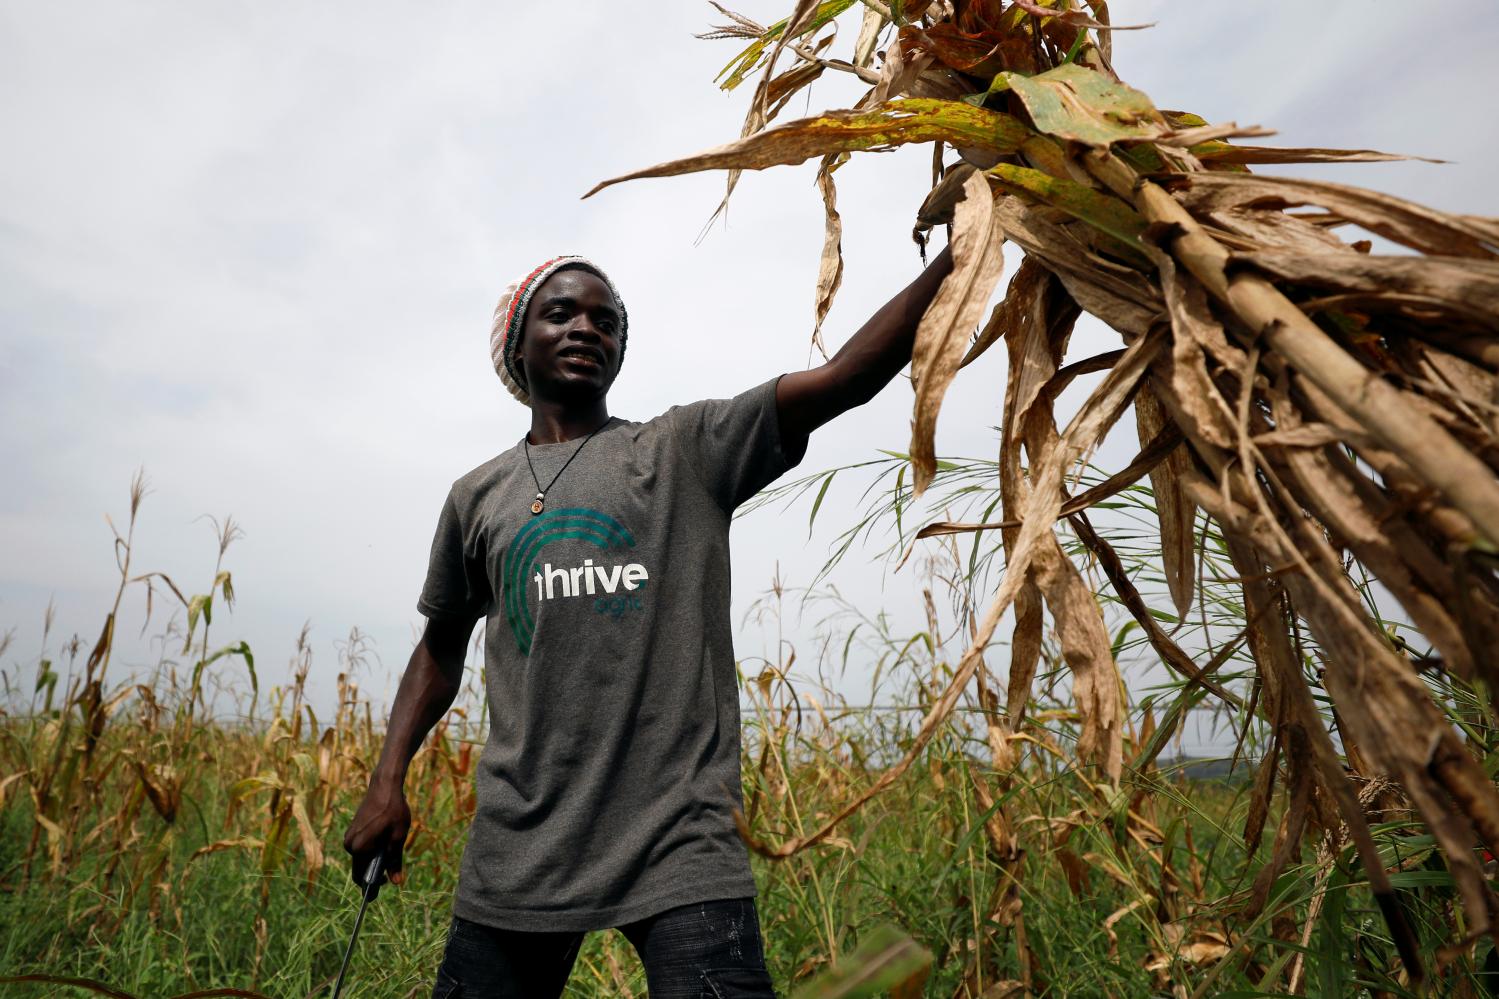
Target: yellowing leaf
(1101, 210)
(896, 123)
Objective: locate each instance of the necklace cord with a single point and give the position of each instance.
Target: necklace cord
(540, 492)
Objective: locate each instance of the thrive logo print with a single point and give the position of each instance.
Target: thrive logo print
(608, 584)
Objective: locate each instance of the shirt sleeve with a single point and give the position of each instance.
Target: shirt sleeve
(457, 583)
(735, 445)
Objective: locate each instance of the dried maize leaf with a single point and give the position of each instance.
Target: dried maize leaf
(894, 124)
(943, 332)
(791, 83)
(1405, 222)
(1442, 461)
(1175, 513)
(1085, 646)
(903, 65)
(1260, 794)
(1030, 281)
(1120, 296)
(1205, 412)
(1336, 503)
(1464, 286)
(1224, 153)
(312, 847)
(830, 266)
(1387, 708)
(1025, 638)
(968, 53)
(869, 36)
(1261, 227)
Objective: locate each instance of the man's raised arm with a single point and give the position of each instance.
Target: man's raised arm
(805, 400)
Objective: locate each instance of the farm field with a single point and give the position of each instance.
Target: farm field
(149, 849)
(246, 886)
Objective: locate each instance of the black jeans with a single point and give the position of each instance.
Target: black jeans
(706, 950)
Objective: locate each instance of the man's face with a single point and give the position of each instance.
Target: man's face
(569, 345)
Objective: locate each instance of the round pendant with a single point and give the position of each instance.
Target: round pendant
(536, 507)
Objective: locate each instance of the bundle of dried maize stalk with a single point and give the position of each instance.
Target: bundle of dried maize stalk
(1324, 404)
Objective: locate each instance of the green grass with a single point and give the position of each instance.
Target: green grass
(916, 857)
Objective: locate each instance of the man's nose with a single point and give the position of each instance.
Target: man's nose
(586, 326)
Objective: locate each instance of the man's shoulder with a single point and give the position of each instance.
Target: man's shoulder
(484, 476)
(751, 397)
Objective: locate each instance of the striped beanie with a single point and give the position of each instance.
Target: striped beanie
(510, 316)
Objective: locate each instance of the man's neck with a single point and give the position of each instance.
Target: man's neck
(554, 423)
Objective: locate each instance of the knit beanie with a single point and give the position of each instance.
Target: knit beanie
(510, 317)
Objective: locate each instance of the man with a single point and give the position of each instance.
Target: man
(597, 549)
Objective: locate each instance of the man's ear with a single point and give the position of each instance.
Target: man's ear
(519, 360)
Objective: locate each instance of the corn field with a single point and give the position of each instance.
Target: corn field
(1305, 539)
(153, 848)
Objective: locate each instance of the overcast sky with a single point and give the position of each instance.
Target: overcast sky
(254, 248)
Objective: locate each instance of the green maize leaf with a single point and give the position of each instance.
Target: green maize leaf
(1074, 102)
(887, 960)
(745, 62)
(249, 785)
(1143, 157)
(242, 650)
(224, 580)
(1100, 210)
(998, 85)
(893, 124)
(270, 856)
(1077, 47)
(1183, 119)
(200, 604)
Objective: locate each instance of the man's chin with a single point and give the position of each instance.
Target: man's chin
(574, 391)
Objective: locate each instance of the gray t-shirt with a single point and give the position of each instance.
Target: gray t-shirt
(605, 789)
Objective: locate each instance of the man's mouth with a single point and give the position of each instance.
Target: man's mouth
(583, 354)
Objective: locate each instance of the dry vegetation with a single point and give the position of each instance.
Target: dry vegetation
(1316, 470)
(1330, 409)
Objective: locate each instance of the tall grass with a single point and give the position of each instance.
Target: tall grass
(148, 848)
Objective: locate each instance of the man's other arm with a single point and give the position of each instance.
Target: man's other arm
(428, 689)
(805, 400)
